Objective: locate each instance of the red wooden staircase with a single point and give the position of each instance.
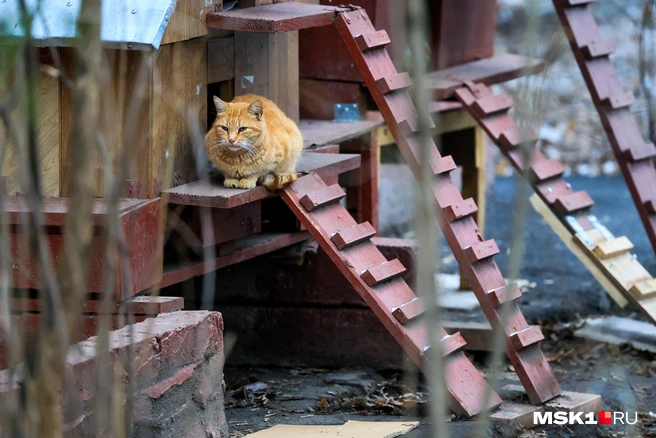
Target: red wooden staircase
(378, 282)
(610, 256)
(475, 256)
(634, 156)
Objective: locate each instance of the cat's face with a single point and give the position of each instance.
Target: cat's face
(237, 128)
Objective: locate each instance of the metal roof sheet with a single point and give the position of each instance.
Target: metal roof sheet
(137, 24)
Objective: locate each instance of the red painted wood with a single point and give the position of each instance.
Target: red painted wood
(322, 197)
(465, 385)
(504, 294)
(409, 311)
(352, 235)
(452, 343)
(528, 336)
(141, 305)
(372, 40)
(213, 194)
(386, 271)
(139, 221)
(398, 81)
(530, 364)
(489, 71)
(619, 123)
(519, 136)
(645, 151)
(244, 249)
(492, 104)
(445, 165)
(546, 169)
(573, 202)
(460, 209)
(481, 250)
(596, 49)
(619, 100)
(280, 17)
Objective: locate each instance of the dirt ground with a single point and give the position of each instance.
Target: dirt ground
(258, 398)
(564, 293)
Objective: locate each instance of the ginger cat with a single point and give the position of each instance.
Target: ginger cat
(252, 141)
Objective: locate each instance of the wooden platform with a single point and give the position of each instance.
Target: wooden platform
(275, 18)
(245, 249)
(324, 132)
(213, 194)
(489, 71)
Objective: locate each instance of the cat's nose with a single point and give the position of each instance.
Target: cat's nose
(232, 140)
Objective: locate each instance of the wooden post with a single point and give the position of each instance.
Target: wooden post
(362, 194)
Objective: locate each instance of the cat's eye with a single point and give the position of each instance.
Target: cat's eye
(225, 128)
(242, 129)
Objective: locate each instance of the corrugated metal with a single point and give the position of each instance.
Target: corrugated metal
(139, 24)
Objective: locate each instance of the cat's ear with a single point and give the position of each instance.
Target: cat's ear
(256, 108)
(220, 105)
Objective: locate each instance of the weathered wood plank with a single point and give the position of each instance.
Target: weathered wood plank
(275, 18)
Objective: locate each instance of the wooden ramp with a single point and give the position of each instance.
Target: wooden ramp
(389, 89)
(608, 258)
(634, 155)
(378, 282)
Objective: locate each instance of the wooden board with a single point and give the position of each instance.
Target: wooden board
(323, 132)
(141, 305)
(188, 20)
(55, 209)
(275, 18)
(568, 239)
(179, 106)
(490, 71)
(267, 65)
(213, 194)
(245, 249)
(48, 96)
(220, 59)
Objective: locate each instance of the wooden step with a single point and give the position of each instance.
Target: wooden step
(546, 169)
(326, 132)
(398, 81)
(527, 337)
(504, 294)
(321, 198)
(574, 202)
(211, 193)
(646, 151)
(353, 235)
(488, 106)
(644, 290)
(371, 40)
(409, 311)
(383, 272)
(650, 206)
(613, 248)
(500, 68)
(520, 136)
(481, 251)
(619, 100)
(449, 344)
(411, 128)
(275, 18)
(461, 209)
(445, 165)
(597, 49)
(578, 2)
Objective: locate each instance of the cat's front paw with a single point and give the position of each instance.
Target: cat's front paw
(244, 183)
